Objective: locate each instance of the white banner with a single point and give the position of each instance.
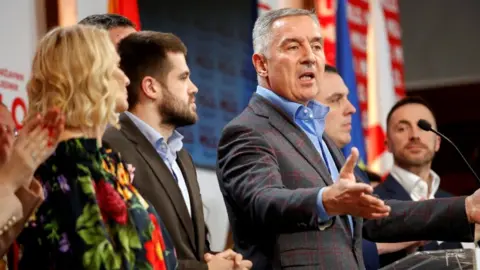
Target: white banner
(23, 24)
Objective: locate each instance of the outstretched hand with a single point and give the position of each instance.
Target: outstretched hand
(347, 197)
(472, 207)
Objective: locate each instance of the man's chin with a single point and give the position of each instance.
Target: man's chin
(187, 121)
(343, 141)
(417, 160)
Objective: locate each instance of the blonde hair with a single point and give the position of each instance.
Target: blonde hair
(72, 70)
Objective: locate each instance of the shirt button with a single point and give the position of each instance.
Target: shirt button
(311, 116)
(305, 111)
(14, 218)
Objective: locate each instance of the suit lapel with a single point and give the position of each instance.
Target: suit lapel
(339, 159)
(296, 137)
(161, 171)
(338, 156)
(190, 175)
(395, 189)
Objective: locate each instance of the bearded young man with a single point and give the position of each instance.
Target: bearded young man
(161, 99)
(412, 177)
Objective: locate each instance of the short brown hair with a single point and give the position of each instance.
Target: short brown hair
(406, 101)
(330, 69)
(143, 54)
(107, 21)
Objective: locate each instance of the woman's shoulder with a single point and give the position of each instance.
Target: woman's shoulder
(77, 147)
(70, 157)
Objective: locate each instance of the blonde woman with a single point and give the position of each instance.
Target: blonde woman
(92, 217)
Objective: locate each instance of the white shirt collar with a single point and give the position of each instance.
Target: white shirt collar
(414, 185)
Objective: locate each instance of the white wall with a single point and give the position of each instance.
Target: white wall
(23, 24)
(89, 7)
(214, 208)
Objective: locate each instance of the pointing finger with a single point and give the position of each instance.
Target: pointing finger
(350, 164)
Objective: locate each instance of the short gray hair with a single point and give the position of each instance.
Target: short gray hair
(261, 30)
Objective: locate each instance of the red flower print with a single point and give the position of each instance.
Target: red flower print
(155, 247)
(110, 203)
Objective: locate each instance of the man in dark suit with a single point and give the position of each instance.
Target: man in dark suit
(411, 177)
(334, 94)
(161, 98)
(289, 203)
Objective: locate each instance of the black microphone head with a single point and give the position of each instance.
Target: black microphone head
(424, 124)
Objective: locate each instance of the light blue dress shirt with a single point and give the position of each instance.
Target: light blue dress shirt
(167, 150)
(311, 120)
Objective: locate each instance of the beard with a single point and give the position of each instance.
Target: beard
(176, 112)
(404, 158)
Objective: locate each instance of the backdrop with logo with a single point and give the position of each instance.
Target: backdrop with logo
(218, 37)
(17, 50)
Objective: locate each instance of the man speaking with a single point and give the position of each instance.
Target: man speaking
(290, 202)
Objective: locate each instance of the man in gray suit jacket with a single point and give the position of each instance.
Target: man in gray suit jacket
(289, 203)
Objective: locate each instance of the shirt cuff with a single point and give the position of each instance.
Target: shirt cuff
(322, 214)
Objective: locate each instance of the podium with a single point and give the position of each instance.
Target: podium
(461, 259)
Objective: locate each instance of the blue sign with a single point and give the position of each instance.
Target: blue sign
(218, 38)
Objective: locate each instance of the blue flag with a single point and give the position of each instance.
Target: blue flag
(344, 59)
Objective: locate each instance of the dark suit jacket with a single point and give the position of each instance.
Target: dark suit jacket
(270, 174)
(156, 184)
(391, 189)
(369, 249)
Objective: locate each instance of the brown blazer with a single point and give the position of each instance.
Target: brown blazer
(156, 184)
(15, 210)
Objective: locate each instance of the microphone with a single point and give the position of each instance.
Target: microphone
(425, 125)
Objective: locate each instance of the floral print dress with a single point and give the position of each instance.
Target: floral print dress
(92, 217)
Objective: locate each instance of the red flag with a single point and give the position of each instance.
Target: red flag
(126, 8)
(385, 78)
(364, 19)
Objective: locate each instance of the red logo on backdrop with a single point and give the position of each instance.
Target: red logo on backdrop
(326, 15)
(9, 95)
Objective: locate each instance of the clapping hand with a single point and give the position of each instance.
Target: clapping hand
(347, 197)
(36, 141)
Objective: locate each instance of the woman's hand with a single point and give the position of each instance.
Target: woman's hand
(35, 143)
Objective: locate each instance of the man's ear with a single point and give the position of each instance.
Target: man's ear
(260, 64)
(387, 143)
(150, 87)
(438, 139)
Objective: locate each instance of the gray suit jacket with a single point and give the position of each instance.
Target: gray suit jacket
(270, 174)
(155, 182)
